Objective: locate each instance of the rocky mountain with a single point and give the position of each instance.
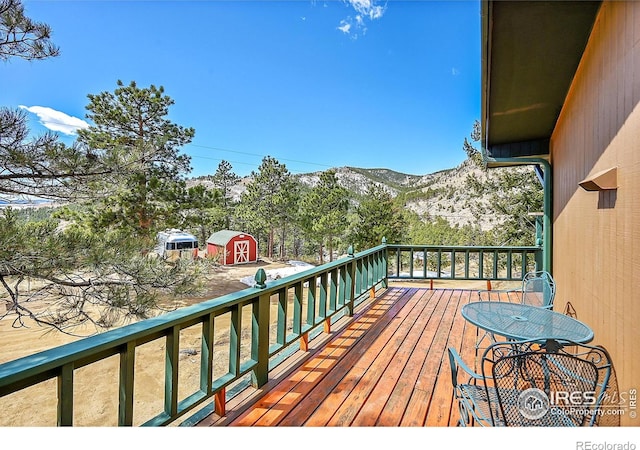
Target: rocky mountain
(440, 194)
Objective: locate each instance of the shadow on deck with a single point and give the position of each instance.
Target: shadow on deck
(385, 366)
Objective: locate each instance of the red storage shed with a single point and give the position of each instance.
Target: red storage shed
(232, 247)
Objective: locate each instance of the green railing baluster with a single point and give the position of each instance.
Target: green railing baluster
(453, 264)
(466, 263)
(297, 309)
(311, 301)
(172, 356)
(384, 273)
(350, 272)
(375, 267)
(411, 263)
(365, 273)
(127, 368)
(235, 336)
(65, 395)
(359, 289)
(206, 354)
(342, 286)
(281, 332)
(333, 290)
(323, 295)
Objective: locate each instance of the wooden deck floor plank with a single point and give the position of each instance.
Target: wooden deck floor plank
(388, 368)
(392, 354)
(250, 396)
(389, 399)
(270, 410)
(319, 390)
(412, 379)
(439, 412)
(417, 408)
(317, 396)
(344, 400)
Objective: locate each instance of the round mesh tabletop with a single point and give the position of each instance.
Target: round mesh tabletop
(525, 322)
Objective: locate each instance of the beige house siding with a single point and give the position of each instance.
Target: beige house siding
(596, 249)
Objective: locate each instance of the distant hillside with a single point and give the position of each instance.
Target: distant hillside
(439, 194)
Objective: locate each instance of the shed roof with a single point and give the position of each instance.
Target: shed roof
(530, 53)
(223, 236)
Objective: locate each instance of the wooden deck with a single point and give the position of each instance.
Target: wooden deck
(386, 366)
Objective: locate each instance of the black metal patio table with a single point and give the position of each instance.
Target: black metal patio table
(516, 321)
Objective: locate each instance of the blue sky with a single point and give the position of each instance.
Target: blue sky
(315, 84)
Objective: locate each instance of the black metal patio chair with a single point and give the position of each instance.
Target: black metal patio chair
(526, 383)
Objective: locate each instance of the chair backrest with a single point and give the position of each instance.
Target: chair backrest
(538, 289)
(554, 384)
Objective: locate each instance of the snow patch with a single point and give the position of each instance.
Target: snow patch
(276, 274)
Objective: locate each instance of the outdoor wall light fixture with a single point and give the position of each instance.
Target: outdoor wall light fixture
(601, 181)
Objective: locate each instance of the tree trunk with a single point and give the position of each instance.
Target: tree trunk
(270, 244)
(12, 302)
(330, 249)
(282, 242)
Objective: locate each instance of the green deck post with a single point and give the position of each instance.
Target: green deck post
(260, 340)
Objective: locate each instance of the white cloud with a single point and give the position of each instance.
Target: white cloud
(345, 26)
(365, 10)
(56, 120)
(368, 8)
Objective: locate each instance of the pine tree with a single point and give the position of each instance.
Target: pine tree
(377, 217)
(270, 202)
(323, 212)
(130, 131)
(224, 179)
(21, 36)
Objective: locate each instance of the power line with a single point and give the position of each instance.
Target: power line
(254, 154)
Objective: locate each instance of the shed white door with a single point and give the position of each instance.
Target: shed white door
(241, 252)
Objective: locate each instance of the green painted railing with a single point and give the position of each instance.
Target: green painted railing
(301, 303)
(428, 262)
(260, 325)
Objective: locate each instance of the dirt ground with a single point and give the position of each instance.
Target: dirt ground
(96, 393)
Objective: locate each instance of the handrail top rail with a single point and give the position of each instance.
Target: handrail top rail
(465, 247)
